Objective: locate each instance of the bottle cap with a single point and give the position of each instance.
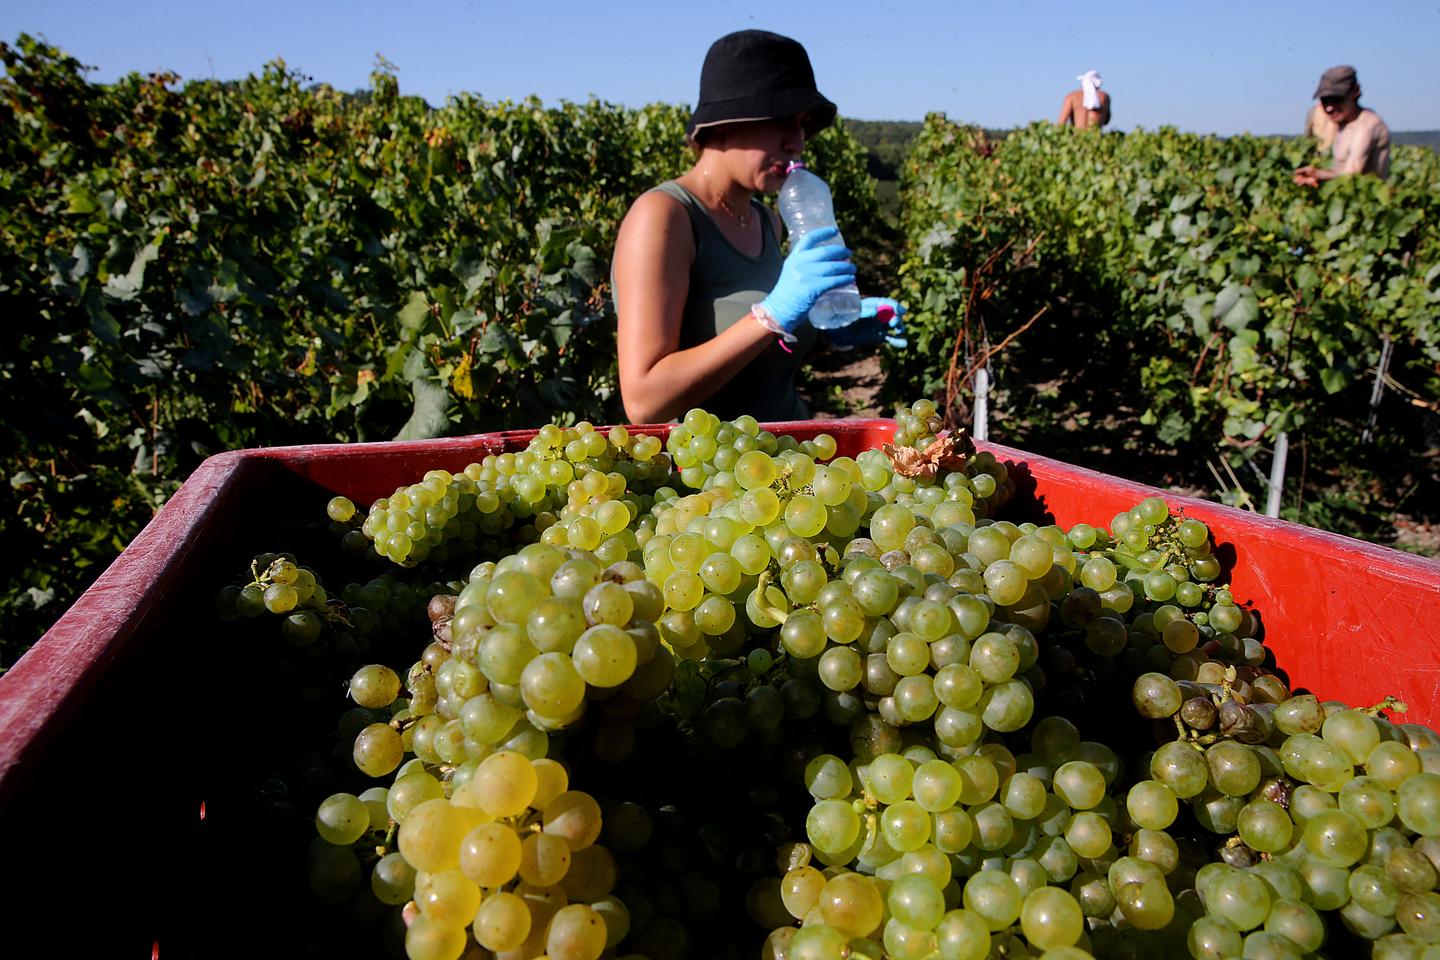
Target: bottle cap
(794, 165)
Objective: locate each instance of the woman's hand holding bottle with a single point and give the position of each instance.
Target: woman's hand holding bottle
(815, 266)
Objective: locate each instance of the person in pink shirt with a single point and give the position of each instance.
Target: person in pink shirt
(1362, 141)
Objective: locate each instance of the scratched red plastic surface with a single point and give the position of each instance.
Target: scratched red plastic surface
(1346, 619)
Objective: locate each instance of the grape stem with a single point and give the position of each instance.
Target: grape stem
(1389, 703)
(337, 612)
(762, 588)
(1226, 685)
(1187, 735)
(871, 825)
(389, 842)
(781, 483)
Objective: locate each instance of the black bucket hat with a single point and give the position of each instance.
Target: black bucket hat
(758, 75)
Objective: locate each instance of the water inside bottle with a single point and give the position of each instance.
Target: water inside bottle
(838, 308)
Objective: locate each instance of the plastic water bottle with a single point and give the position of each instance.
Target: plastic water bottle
(805, 205)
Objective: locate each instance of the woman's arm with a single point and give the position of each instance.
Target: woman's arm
(658, 381)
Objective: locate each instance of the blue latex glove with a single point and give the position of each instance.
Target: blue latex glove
(879, 321)
(815, 265)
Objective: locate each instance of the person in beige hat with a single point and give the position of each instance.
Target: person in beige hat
(1362, 141)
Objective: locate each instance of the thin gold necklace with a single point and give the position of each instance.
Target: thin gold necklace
(741, 221)
(744, 221)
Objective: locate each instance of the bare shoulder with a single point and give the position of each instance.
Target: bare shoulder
(654, 208)
(656, 219)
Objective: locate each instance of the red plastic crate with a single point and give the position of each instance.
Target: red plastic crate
(1347, 620)
(93, 750)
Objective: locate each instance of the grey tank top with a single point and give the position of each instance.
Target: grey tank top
(724, 285)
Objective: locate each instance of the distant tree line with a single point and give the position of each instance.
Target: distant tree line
(1418, 138)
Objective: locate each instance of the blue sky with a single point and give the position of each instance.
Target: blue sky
(1219, 67)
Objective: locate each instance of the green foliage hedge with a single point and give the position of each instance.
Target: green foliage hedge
(1253, 306)
(189, 269)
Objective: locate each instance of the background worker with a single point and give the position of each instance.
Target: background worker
(1088, 107)
(1362, 141)
(709, 311)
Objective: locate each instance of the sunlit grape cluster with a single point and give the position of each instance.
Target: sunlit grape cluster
(1315, 807)
(588, 484)
(950, 854)
(507, 857)
(279, 585)
(523, 643)
(706, 450)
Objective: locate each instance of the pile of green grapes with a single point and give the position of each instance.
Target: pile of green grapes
(562, 474)
(817, 707)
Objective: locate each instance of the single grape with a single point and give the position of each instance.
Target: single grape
(1079, 784)
(1418, 804)
(1156, 696)
(1051, 918)
(342, 819)
(994, 897)
(915, 901)
(1265, 826)
(832, 825)
(800, 890)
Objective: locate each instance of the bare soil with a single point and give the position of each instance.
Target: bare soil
(845, 384)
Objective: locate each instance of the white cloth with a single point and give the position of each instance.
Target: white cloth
(1090, 87)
